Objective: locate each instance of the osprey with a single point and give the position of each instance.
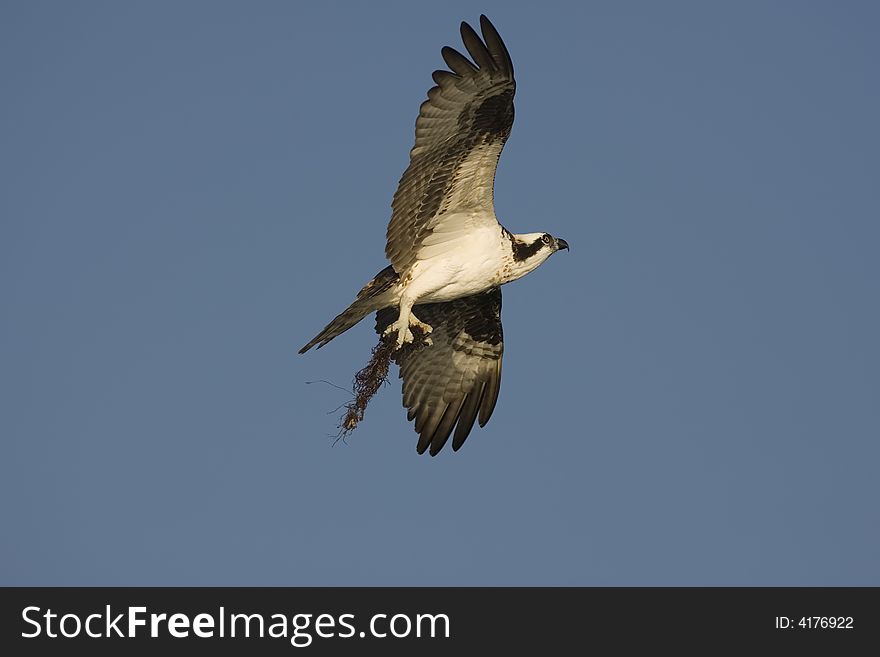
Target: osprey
(449, 255)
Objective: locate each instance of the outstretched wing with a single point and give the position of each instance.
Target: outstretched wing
(454, 381)
(460, 132)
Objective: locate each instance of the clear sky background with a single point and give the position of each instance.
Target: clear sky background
(691, 395)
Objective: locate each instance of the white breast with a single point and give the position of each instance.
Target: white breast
(456, 263)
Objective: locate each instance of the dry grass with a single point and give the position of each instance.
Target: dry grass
(366, 384)
(373, 376)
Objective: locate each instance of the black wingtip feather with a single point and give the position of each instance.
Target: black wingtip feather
(496, 46)
(459, 64)
(490, 398)
(428, 429)
(476, 48)
(444, 427)
(467, 416)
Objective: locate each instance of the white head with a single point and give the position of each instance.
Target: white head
(529, 250)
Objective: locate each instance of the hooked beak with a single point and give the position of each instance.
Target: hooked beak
(561, 244)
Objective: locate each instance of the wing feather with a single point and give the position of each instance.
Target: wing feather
(476, 48)
(496, 46)
(487, 406)
(468, 415)
(458, 62)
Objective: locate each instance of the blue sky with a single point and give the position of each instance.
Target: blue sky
(192, 190)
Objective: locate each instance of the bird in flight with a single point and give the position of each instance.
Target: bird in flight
(449, 254)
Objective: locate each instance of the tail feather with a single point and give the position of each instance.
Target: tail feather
(375, 295)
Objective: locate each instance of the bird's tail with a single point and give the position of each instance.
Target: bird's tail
(375, 295)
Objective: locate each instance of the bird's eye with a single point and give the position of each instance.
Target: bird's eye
(546, 238)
